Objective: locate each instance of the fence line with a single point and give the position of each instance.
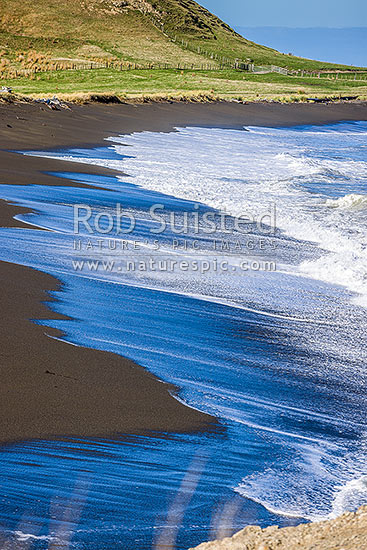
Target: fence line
(247, 64)
(237, 65)
(331, 75)
(113, 65)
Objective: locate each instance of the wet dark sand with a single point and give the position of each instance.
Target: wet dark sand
(50, 389)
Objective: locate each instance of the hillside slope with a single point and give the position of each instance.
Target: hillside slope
(141, 31)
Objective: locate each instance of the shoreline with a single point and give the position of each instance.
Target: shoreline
(54, 390)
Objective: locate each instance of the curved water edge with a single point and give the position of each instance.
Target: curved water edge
(277, 355)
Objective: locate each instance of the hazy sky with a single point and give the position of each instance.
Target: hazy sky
(290, 13)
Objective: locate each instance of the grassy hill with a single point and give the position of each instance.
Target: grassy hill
(43, 35)
(132, 30)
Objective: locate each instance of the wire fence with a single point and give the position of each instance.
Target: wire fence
(214, 62)
(118, 66)
(237, 65)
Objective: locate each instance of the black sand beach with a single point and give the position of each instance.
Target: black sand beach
(51, 389)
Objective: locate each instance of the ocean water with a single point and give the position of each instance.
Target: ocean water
(334, 45)
(276, 351)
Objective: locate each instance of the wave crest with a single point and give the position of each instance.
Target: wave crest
(350, 201)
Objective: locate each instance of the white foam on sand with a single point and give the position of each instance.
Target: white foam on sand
(350, 496)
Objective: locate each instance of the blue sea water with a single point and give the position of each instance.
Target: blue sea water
(335, 45)
(278, 356)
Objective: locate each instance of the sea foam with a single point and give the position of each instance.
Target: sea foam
(240, 172)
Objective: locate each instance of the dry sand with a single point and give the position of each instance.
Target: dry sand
(347, 532)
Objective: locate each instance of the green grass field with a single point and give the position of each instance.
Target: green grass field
(222, 83)
(38, 37)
